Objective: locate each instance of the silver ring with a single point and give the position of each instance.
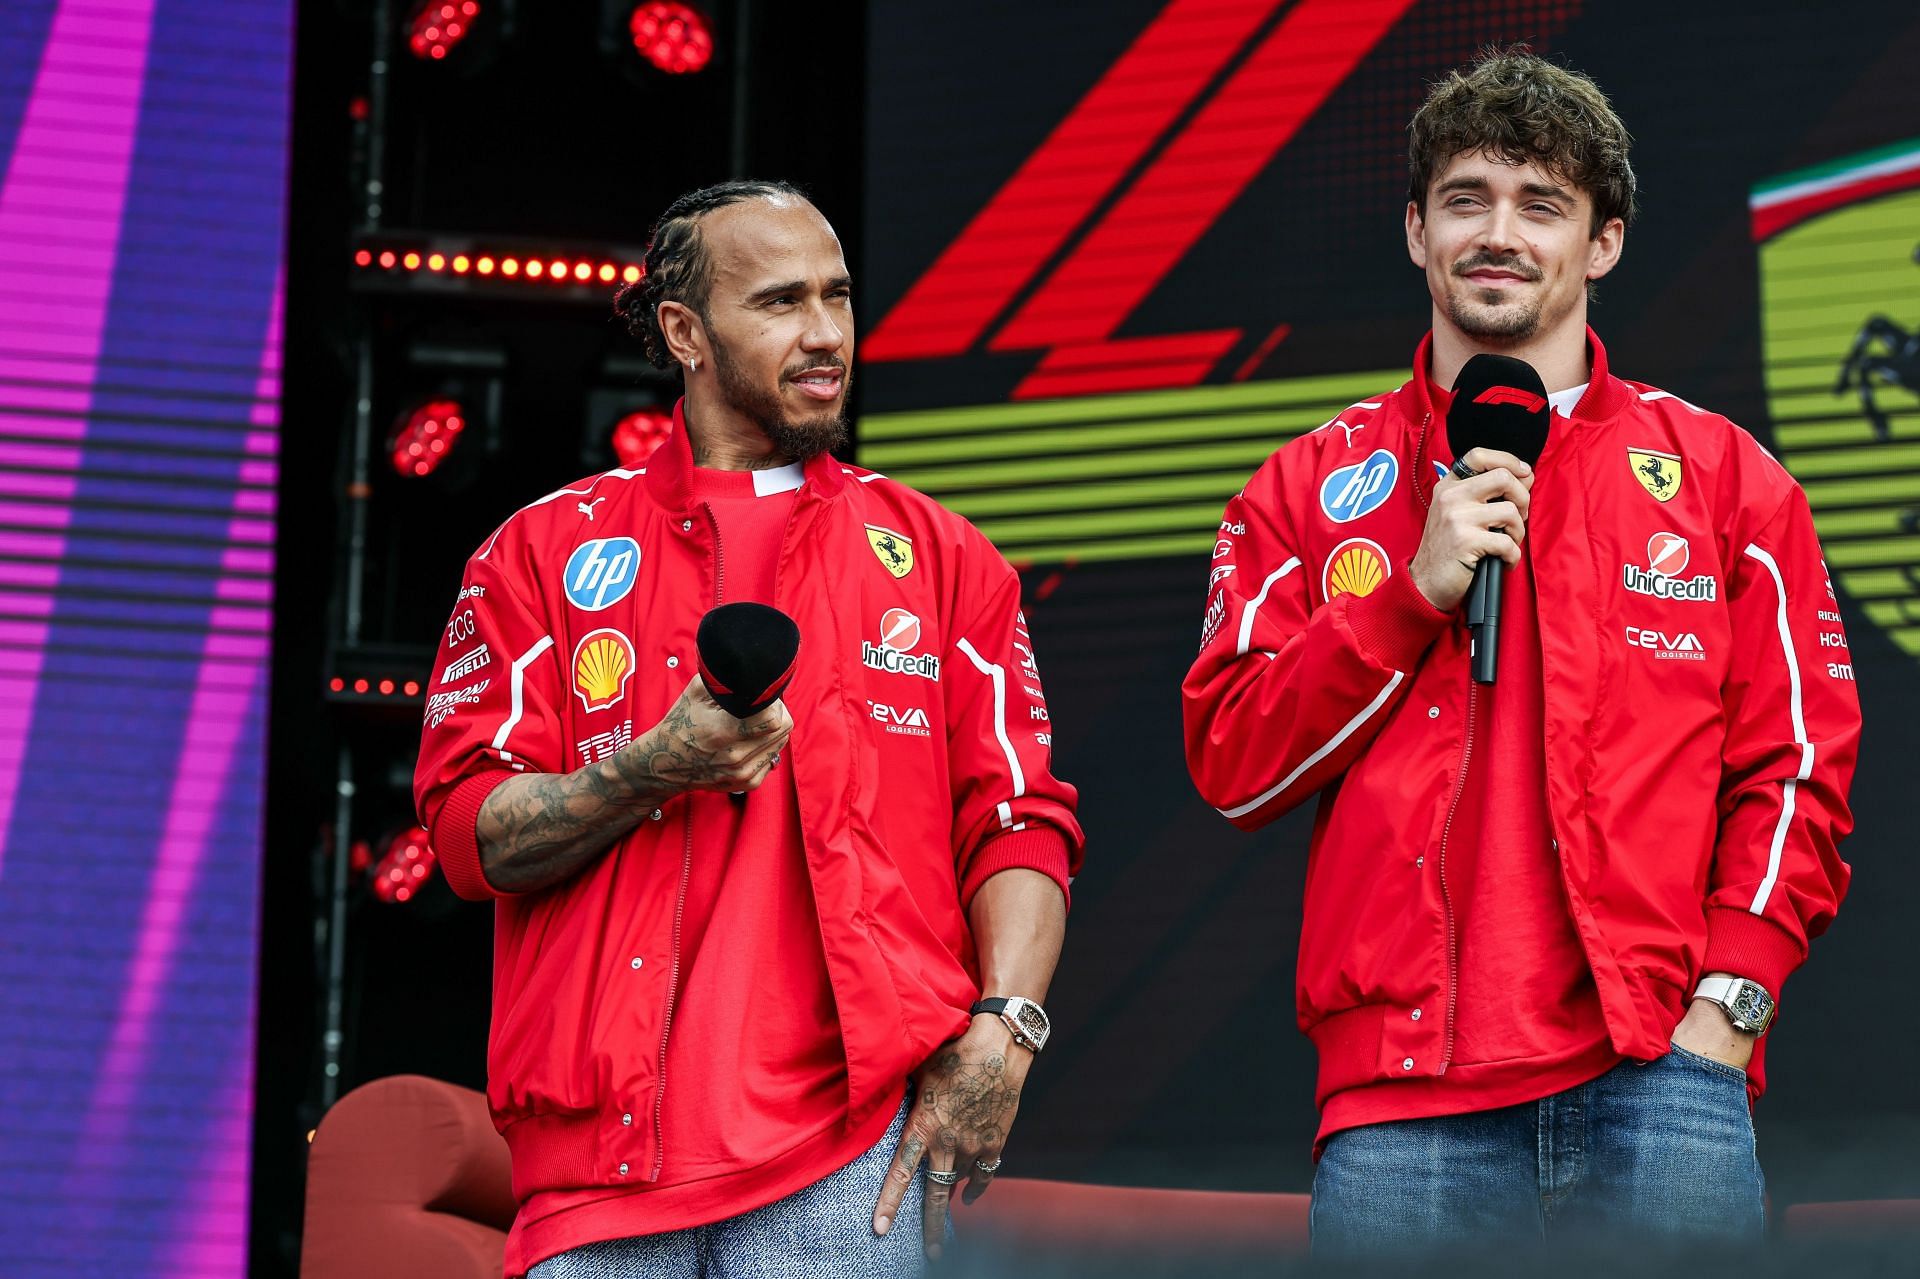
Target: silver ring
(939, 1178)
(988, 1168)
(776, 760)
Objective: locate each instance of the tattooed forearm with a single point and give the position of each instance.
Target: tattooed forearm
(541, 828)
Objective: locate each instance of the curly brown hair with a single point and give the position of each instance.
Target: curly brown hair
(678, 267)
(1518, 107)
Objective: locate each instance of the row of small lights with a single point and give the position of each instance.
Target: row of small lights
(557, 270)
(385, 687)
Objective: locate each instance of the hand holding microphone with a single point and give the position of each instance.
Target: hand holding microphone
(725, 731)
(1497, 427)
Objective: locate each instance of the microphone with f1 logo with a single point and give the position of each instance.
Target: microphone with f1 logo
(1498, 403)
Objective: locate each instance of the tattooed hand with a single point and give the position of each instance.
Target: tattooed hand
(700, 746)
(964, 1100)
(540, 829)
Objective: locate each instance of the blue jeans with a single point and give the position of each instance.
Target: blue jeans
(1661, 1151)
(823, 1231)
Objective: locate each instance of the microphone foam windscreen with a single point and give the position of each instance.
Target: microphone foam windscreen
(747, 655)
(1499, 403)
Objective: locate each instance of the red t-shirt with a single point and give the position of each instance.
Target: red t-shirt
(1527, 1018)
(755, 1047)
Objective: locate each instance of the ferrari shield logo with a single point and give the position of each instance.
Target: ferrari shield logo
(893, 550)
(1658, 473)
(1840, 338)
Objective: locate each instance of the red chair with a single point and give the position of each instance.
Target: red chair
(1854, 1219)
(407, 1179)
(1064, 1217)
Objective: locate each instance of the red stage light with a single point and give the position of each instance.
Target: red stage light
(404, 865)
(673, 37)
(363, 258)
(637, 435)
(535, 268)
(411, 262)
(359, 686)
(425, 437)
(337, 684)
(558, 269)
(435, 261)
(631, 275)
(583, 270)
(437, 25)
(607, 272)
(387, 259)
(386, 687)
(412, 688)
(484, 265)
(511, 266)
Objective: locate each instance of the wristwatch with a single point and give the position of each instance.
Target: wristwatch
(1026, 1019)
(1746, 1003)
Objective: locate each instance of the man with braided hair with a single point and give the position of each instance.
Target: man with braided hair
(749, 975)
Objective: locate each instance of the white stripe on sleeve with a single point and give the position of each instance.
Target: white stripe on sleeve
(1253, 607)
(1332, 744)
(999, 678)
(520, 665)
(1765, 891)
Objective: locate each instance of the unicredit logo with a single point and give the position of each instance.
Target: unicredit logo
(899, 634)
(1667, 557)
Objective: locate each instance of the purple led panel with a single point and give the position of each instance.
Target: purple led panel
(142, 207)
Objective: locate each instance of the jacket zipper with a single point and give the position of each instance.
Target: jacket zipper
(1446, 899)
(680, 904)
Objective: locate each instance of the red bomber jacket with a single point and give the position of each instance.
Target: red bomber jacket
(921, 760)
(1701, 714)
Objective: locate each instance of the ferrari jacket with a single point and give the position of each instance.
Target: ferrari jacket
(921, 761)
(1701, 715)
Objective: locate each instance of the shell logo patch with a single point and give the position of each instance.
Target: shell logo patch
(1356, 567)
(602, 664)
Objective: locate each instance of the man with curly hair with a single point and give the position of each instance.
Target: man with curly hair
(750, 975)
(1547, 918)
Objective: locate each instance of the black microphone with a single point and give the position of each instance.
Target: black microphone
(1498, 403)
(747, 655)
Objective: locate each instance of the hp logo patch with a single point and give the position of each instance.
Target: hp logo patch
(1353, 491)
(601, 572)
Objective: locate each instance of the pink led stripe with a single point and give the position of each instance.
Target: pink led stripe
(59, 237)
(232, 670)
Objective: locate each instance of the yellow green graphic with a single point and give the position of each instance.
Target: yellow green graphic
(1129, 476)
(1840, 316)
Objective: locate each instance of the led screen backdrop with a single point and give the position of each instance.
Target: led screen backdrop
(142, 180)
(1115, 255)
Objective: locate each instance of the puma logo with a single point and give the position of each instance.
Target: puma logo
(586, 508)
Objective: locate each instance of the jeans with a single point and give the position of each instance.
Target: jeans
(1661, 1152)
(823, 1231)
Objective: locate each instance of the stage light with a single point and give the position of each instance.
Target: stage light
(404, 865)
(435, 261)
(607, 272)
(638, 434)
(558, 269)
(583, 270)
(510, 266)
(387, 260)
(437, 25)
(459, 264)
(363, 258)
(411, 688)
(411, 262)
(631, 275)
(484, 265)
(337, 684)
(424, 437)
(535, 268)
(674, 37)
(359, 686)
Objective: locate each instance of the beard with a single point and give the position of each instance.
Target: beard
(1486, 313)
(802, 438)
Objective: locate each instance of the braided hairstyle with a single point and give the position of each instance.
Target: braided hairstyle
(678, 267)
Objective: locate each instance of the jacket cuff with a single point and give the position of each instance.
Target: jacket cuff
(1040, 848)
(1746, 945)
(455, 841)
(1395, 624)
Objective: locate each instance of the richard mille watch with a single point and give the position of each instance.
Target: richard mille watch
(1746, 1003)
(1026, 1019)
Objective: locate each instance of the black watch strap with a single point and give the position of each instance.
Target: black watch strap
(993, 1006)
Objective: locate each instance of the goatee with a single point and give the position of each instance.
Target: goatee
(801, 439)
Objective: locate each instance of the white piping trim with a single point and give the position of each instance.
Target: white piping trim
(1765, 890)
(1322, 753)
(554, 496)
(520, 665)
(1246, 618)
(999, 678)
(1669, 395)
